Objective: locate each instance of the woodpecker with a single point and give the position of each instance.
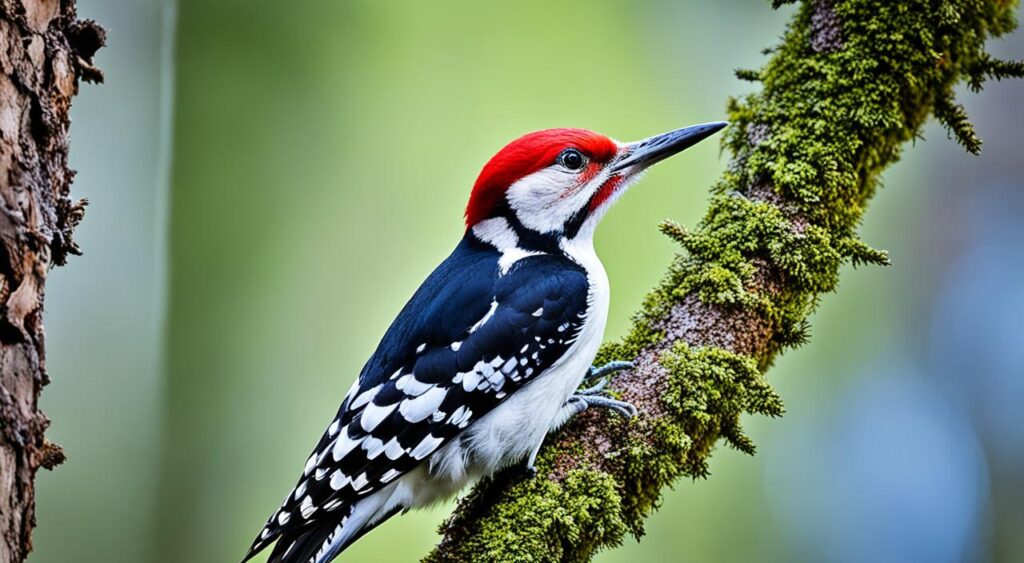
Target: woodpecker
(492, 352)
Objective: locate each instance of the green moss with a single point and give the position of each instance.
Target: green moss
(543, 521)
(850, 83)
(706, 392)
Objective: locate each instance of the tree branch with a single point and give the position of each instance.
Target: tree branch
(850, 84)
(44, 50)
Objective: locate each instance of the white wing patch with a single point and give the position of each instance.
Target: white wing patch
(425, 447)
(307, 508)
(419, 408)
(460, 417)
(364, 398)
(411, 386)
(373, 447)
(343, 445)
(393, 449)
(374, 415)
(338, 480)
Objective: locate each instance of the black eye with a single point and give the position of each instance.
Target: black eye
(572, 159)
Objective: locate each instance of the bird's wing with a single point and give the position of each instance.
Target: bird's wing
(468, 339)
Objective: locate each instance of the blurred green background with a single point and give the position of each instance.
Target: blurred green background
(271, 181)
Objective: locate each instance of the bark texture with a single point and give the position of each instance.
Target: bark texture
(849, 84)
(44, 51)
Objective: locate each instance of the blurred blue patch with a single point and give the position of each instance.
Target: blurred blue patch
(890, 471)
(976, 332)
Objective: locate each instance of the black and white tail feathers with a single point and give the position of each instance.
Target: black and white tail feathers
(303, 545)
(308, 546)
(320, 543)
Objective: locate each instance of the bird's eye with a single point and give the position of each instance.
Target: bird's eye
(572, 159)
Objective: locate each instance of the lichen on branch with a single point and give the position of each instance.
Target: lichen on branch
(850, 83)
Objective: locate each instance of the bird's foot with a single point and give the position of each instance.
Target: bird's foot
(594, 395)
(581, 402)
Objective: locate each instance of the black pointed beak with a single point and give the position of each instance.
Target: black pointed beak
(637, 156)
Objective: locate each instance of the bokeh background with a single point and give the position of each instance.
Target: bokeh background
(270, 181)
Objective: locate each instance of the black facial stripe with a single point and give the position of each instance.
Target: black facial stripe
(573, 225)
(529, 239)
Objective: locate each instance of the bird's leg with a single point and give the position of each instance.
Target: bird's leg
(531, 468)
(585, 398)
(571, 408)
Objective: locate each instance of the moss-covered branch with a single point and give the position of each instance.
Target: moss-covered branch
(851, 82)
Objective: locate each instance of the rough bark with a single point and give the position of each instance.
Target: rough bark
(851, 82)
(44, 51)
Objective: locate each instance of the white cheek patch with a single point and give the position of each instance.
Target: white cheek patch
(546, 199)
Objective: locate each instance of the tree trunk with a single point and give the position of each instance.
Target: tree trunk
(849, 84)
(44, 51)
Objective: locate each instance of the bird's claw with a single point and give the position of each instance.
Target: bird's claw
(603, 375)
(583, 402)
(594, 389)
(607, 369)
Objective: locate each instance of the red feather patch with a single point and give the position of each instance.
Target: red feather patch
(526, 155)
(604, 192)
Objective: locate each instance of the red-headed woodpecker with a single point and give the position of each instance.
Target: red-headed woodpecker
(490, 353)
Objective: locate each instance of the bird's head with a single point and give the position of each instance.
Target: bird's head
(558, 183)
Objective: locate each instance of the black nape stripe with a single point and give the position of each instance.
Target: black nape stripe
(529, 239)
